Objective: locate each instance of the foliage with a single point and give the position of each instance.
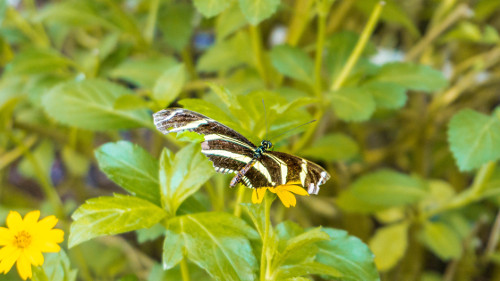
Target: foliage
(405, 98)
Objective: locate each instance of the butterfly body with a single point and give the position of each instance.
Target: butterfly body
(230, 152)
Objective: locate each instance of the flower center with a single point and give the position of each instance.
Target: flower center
(22, 239)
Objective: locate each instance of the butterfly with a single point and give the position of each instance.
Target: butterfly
(230, 152)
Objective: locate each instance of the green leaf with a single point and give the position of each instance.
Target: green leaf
(142, 71)
(74, 13)
(332, 147)
(484, 9)
(169, 85)
(150, 234)
(57, 267)
(349, 202)
(389, 245)
(130, 102)
(293, 62)
(44, 156)
(257, 11)
(412, 76)
(387, 95)
(35, 61)
(210, 8)
(229, 21)
(442, 240)
(176, 24)
(291, 272)
(474, 139)
(182, 175)
(348, 255)
(131, 167)
(89, 104)
(3, 10)
(388, 188)
(256, 214)
(112, 215)
(353, 104)
(215, 241)
(173, 247)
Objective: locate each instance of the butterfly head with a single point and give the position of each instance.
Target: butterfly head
(266, 145)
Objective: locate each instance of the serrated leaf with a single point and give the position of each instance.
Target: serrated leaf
(112, 215)
(169, 85)
(387, 95)
(474, 139)
(182, 175)
(389, 245)
(442, 240)
(210, 8)
(257, 11)
(293, 62)
(412, 76)
(332, 147)
(176, 24)
(353, 104)
(142, 71)
(347, 254)
(388, 188)
(216, 242)
(89, 104)
(131, 167)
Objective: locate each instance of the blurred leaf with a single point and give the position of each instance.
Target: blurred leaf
(293, 62)
(88, 104)
(130, 102)
(332, 147)
(291, 272)
(295, 246)
(485, 8)
(182, 175)
(349, 202)
(388, 188)
(112, 215)
(226, 54)
(3, 10)
(44, 155)
(57, 267)
(144, 71)
(229, 21)
(257, 11)
(464, 30)
(132, 168)
(210, 8)
(474, 139)
(442, 240)
(347, 254)
(387, 95)
(35, 61)
(150, 234)
(440, 192)
(169, 85)
(412, 76)
(389, 245)
(353, 104)
(76, 163)
(176, 24)
(215, 241)
(392, 12)
(159, 274)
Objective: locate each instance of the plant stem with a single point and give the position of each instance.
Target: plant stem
(11, 156)
(149, 31)
(299, 21)
(239, 199)
(360, 46)
(320, 43)
(257, 51)
(184, 270)
(338, 15)
(263, 256)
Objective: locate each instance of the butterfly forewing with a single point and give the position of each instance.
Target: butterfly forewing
(230, 152)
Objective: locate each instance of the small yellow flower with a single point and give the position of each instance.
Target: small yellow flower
(284, 192)
(24, 240)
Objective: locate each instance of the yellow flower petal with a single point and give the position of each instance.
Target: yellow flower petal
(49, 247)
(6, 252)
(6, 236)
(258, 195)
(34, 256)
(296, 189)
(24, 267)
(31, 218)
(9, 260)
(47, 223)
(56, 236)
(286, 197)
(14, 221)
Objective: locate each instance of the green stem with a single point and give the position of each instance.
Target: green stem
(299, 21)
(320, 43)
(360, 46)
(239, 199)
(263, 256)
(184, 270)
(257, 51)
(11, 156)
(149, 32)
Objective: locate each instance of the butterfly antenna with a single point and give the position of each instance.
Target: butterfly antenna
(265, 118)
(287, 131)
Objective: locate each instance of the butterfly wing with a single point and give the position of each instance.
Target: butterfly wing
(228, 150)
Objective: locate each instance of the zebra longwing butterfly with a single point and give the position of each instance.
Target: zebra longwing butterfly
(230, 152)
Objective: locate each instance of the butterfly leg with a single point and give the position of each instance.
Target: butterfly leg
(241, 173)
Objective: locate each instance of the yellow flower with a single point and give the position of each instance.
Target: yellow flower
(24, 240)
(284, 192)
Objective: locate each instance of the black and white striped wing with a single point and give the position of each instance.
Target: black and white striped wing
(228, 150)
